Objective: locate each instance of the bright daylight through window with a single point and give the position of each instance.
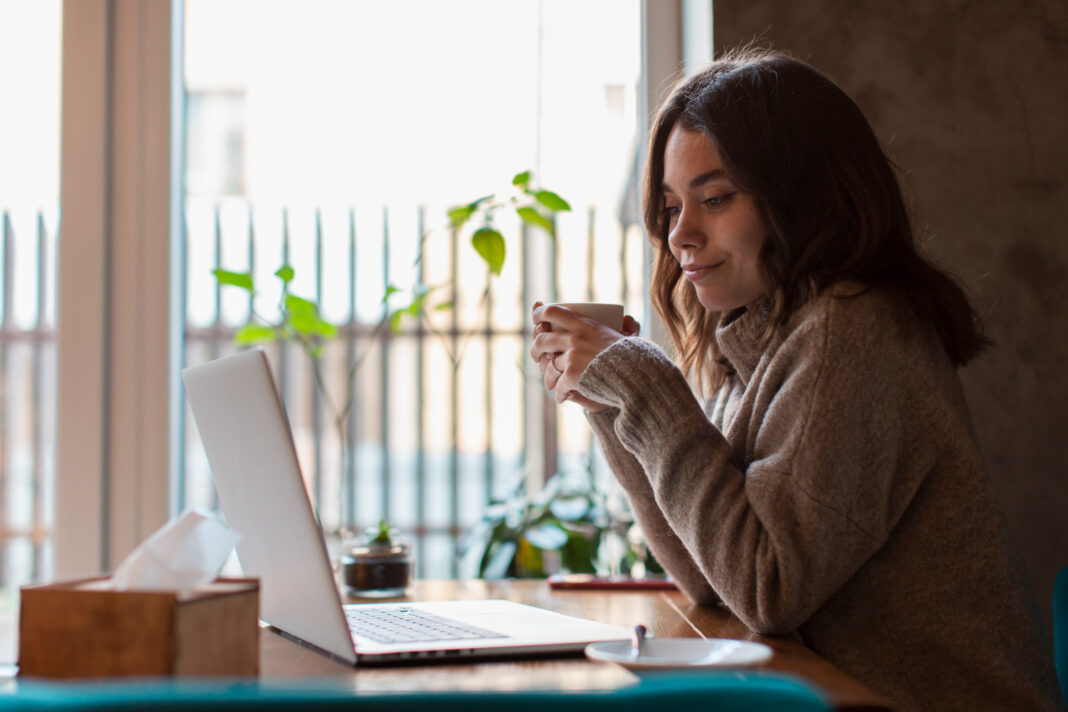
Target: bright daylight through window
(29, 214)
(333, 137)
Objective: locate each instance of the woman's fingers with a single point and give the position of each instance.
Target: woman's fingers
(559, 317)
(547, 342)
(573, 349)
(563, 345)
(550, 376)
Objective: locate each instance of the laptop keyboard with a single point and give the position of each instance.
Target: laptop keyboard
(404, 625)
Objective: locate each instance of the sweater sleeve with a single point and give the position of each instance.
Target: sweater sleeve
(776, 535)
(662, 541)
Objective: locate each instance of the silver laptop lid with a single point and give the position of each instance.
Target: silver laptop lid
(246, 435)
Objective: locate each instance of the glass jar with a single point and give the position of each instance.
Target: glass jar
(377, 565)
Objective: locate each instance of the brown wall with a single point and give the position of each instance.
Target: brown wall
(970, 99)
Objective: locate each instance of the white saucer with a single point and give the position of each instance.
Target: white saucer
(664, 653)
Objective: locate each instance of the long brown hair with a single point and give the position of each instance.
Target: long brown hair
(794, 141)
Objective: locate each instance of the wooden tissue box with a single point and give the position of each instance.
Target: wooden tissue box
(80, 629)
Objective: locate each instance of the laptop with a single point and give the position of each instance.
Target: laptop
(246, 435)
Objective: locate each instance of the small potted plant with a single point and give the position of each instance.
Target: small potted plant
(377, 564)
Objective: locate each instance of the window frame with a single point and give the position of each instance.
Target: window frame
(116, 289)
(119, 301)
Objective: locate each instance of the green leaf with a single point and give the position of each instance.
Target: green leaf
(395, 321)
(496, 533)
(528, 560)
(298, 306)
(579, 554)
(490, 246)
(304, 323)
(444, 306)
(312, 325)
(533, 217)
(382, 536)
(548, 491)
(547, 536)
(285, 273)
(653, 566)
(459, 215)
(552, 201)
(235, 279)
(496, 511)
(326, 330)
(570, 508)
(390, 291)
(498, 561)
(521, 180)
(252, 334)
(422, 292)
(303, 316)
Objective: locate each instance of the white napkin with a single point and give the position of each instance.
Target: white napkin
(185, 553)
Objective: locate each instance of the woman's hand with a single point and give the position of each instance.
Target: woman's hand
(564, 344)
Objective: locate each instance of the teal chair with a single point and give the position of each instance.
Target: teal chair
(751, 691)
(1060, 629)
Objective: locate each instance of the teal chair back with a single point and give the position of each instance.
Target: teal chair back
(1060, 629)
(722, 691)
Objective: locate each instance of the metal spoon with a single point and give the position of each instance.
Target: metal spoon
(637, 637)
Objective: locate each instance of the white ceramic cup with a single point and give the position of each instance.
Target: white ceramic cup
(611, 315)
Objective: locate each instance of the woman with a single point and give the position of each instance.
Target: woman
(831, 487)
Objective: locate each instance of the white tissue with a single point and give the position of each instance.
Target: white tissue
(185, 553)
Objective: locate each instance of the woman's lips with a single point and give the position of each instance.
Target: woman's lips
(694, 272)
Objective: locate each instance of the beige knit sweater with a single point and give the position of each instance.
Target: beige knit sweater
(834, 489)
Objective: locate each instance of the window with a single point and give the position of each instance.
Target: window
(333, 136)
(136, 302)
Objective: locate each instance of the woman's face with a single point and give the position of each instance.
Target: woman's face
(714, 230)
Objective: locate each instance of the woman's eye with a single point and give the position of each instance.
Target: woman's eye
(719, 200)
(671, 211)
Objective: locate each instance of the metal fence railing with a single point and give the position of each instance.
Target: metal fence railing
(27, 394)
(449, 411)
(448, 414)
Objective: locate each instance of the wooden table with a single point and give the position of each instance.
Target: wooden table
(664, 613)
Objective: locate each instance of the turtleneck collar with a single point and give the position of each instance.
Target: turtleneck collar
(740, 335)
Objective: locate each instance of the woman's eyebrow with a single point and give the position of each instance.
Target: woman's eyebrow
(707, 177)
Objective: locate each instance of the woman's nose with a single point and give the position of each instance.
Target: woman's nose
(686, 233)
